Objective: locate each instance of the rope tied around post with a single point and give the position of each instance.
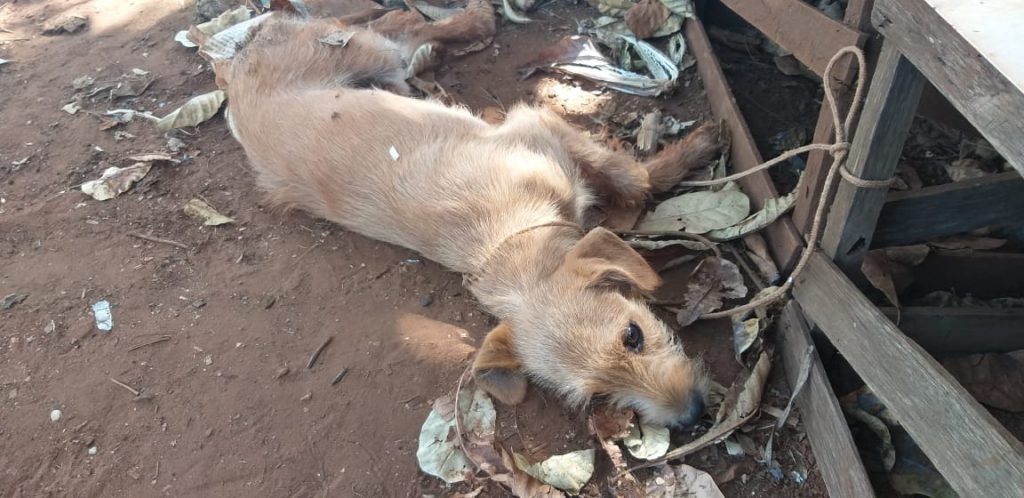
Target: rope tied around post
(839, 150)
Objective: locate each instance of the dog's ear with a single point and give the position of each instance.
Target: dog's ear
(603, 259)
(496, 367)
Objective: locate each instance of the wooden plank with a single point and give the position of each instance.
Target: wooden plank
(958, 207)
(874, 154)
(982, 274)
(965, 443)
(964, 73)
(782, 237)
(858, 15)
(961, 330)
(811, 36)
(834, 450)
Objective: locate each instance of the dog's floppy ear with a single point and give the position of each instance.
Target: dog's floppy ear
(603, 259)
(496, 368)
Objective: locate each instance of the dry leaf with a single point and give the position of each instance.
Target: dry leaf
(338, 38)
(698, 212)
(68, 25)
(654, 245)
(645, 17)
(647, 442)
(994, 379)
(711, 281)
(82, 82)
(199, 209)
(512, 15)
(649, 133)
(960, 242)
(568, 472)
(876, 269)
(682, 8)
(439, 453)
(744, 334)
(773, 209)
(965, 169)
(132, 85)
(195, 111)
(681, 481)
(154, 158)
(224, 21)
(435, 13)
(225, 44)
(71, 108)
(422, 58)
(758, 254)
(115, 181)
(524, 485)
(907, 255)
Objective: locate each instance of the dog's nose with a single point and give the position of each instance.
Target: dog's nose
(692, 410)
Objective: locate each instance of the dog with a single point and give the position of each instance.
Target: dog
(329, 130)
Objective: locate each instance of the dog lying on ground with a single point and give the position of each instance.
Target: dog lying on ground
(329, 130)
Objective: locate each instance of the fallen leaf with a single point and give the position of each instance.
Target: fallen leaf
(647, 442)
(579, 56)
(154, 158)
(568, 472)
(611, 423)
(711, 281)
(199, 209)
(523, 484)
(994, 379)
(195, 111)
(965, 169)
(698, 212)
(682, 8)
(439, 453)
(649, 133)
(71, 108)
(645, 17)
(960, 242)
(773, 209)
(758, 254)
(224, 21)
(512, 15)
(907, 255)
(744, 334)
(681, 481)
(132, 85)
(225, 44)
(115, 181)
(422, 58)
(654, 245)
(69, 24)
(82, 82)
(435, 13)
(876, 268)
(337, 38)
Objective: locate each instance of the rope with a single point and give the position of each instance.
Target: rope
(839, 151)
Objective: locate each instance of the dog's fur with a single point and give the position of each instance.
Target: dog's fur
(493, 202)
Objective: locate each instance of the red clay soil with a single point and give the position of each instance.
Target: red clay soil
(228, 406)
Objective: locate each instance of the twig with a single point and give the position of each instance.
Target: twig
(158, 240)
(157, 340)
(126, 386)
(316, 354)
(341, 375)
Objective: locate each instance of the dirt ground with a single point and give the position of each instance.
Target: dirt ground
(228, 407)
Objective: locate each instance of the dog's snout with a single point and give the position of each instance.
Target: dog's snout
(692, 410)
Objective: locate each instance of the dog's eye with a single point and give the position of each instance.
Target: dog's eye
(634, 338)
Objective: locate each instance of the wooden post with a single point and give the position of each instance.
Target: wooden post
(874, 155)
(965, 443)
(834, 451)
(782, 237)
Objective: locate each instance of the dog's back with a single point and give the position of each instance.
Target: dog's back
(322, 137)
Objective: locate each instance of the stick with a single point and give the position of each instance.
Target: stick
(316, 354)
(158, 240)
(341, 375)
(150, 343)
(126, 386)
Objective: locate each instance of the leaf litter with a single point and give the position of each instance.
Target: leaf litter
(712, 281)
(698, 212)
(199, 209)
(440, 452)
(115, 181)
(197, 110)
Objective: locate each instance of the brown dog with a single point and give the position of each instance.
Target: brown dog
(501, 204)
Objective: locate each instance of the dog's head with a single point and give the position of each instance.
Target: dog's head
(584, 330)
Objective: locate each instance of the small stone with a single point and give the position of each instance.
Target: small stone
(209, 432)
(426, 300)
(50, 327)
(208, 360)
(306, 397)
(198, 303)
(175, 144)
(55, 415)
(93, 450)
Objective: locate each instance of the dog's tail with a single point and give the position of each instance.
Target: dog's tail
(678, 159)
